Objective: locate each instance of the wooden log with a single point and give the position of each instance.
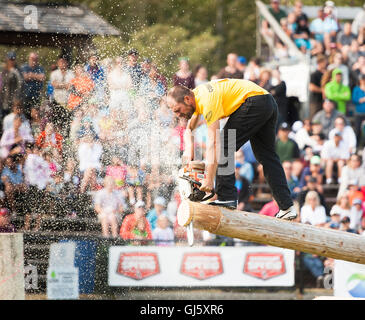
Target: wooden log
(11, 266)
(257, 228)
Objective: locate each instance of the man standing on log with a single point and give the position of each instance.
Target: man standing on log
(252, 115)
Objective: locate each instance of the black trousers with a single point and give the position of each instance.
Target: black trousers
(254, 120)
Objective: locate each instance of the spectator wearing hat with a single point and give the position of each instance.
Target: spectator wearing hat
(335, 218)
(159, 208)
(184, 76)
(356, 215)
(335, 152)
(338, 63)
(230, 70)
(12, 84)
(135, 225)
(337, 91)
(286, 148)
(315, 90)
(276, 11)
(352, 170)
(358, 98)
(347, 133)
(241, 64)
(5, 222)
(34, 77)
(134, 68)
(326, 116)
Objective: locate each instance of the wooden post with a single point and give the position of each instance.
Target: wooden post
(11, 266)
(272, 231)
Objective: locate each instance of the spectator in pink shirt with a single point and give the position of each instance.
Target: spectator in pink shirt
(270, 209)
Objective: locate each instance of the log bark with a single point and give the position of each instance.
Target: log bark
(11, 266)
(272, 231)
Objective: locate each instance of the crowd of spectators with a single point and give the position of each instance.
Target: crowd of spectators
(101, 131)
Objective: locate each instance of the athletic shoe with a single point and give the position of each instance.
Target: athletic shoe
(230, 204)
(288, 214)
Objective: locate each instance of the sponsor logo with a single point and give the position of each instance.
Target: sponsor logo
(264, 265)
(138, 265)
(202, 265)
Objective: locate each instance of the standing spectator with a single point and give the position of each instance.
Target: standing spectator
(108, 204)
(334, 152)
(158, 210)
(286, 148)
(184, 76)
(230, 71)
(313, 212)
(335, 90)
(97, 74)
(81, 87)
(337, 63)
(276, 11)
(61, 82)
(326, 117)
(132, 223)
(201, 75)
(134, 68)
(316, 97)
(317, 26)
(345, 37)
(34, 77)
(12, 84)
(358, 98)
(163, 234)
(347, 133)
(352, 170)
(5, 222)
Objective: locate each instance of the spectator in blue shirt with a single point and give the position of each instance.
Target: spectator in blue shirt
(34, 77)
(158, 209)
(358, 98)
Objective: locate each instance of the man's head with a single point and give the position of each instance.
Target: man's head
(62, 64)
(321, 62)
(328, 106)
(287, 166)
(232, 60)
(312, 183)
(283, 132)
(347, 28)
(337, 75)
(93, 60)
(275, 4)
(181, 101)
(340, 123)
(133, 55)
(11, 59)
(241, 63)
(33, 59)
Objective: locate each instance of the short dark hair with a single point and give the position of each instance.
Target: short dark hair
(179, 92)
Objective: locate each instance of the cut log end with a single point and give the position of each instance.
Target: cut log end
(184, 215)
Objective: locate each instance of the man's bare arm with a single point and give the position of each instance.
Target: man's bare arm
(189, 139)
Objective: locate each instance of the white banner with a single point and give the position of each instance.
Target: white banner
(250, 266)
(349, 279)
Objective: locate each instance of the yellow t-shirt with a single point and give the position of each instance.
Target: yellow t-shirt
(218, 99)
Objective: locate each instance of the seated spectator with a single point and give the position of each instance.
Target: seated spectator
(335, 219)
(313, 212)
(354, 191)
(163, 234)
(313, 170)
(270, 209)
(345, 225)
(358, 98)
(337, 91)
(241, 64)
(345, 37)
(201, 75)
(50, 138)
(158, 210)
(356, 215)
(133, 228)
(276, 11)
(14, 139)
(342, 207)
(13, 180)
(302, 34)
(89, 155)
(252, 71)
(317, 26)
(108, 204)
(5, 221)
(352, 170)
(286, 148)
(326, 117)
(334, 152)
(293, 182)
(347, 133)
(37, 176)
(312, 185)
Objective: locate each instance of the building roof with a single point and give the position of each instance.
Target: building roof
(52, 18)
